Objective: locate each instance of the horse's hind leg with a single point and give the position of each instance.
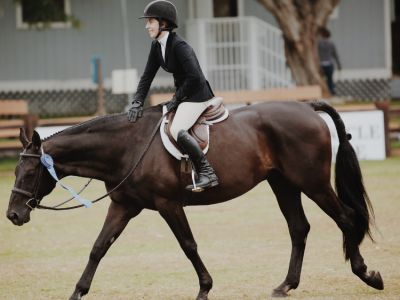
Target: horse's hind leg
(289, 200)
(117, 218)
(174, 215)
(343, 215)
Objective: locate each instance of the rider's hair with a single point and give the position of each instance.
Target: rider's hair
(165, 24)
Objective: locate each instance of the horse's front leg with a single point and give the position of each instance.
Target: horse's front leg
(174, 215)
(117, 218)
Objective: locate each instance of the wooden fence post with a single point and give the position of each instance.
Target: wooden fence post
(100, 87)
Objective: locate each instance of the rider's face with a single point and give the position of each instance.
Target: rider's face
(152, 27)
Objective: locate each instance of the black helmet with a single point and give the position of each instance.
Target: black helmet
(161, 9)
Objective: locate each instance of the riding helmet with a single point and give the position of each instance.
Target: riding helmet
(162, 9)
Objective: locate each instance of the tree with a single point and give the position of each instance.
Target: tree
(299, 21)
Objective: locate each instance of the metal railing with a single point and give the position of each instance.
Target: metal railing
(239, 53)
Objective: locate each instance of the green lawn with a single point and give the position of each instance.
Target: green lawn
(7, 165)
(244, 244)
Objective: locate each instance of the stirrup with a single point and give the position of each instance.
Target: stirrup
(198, 189)
(195, 189)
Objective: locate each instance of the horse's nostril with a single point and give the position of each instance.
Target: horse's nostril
(12, 216)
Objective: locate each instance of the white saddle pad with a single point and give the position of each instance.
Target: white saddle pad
(175, 152)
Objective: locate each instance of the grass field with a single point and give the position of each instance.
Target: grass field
(244, 243)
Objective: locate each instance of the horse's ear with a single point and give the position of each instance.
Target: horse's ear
(22, 137)
(36, 141)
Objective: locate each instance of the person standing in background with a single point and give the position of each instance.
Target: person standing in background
(327, 57)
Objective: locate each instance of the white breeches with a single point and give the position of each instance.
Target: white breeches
(186, 115)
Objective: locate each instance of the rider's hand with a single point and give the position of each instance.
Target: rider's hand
(136, 111)
(172, 104)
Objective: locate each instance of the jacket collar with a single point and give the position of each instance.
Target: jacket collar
(167, 48)
(164, 39)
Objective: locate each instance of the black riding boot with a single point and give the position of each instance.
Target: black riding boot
(206, 175)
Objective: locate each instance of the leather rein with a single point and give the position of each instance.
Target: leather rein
(34, 196)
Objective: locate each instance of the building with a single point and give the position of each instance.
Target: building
(52, 67)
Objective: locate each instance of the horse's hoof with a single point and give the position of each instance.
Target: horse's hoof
(202, 296)
(76, 296)
(279, 293)
(375, 280)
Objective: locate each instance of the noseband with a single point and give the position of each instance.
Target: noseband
(32, 196)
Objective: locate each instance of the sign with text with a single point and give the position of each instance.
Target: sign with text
(367, 130)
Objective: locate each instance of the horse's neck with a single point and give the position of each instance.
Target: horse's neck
(89, 151)
(78, 158)
(93, 151)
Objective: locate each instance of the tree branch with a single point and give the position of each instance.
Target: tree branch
(323, 9)
(286, 15)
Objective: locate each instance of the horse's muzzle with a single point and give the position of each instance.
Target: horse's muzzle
(16, 219)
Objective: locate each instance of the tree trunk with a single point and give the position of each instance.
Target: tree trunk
(299, 21)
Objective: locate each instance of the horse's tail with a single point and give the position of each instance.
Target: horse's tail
(348, 179)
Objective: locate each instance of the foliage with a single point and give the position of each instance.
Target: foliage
(395, 144)
(8, 164)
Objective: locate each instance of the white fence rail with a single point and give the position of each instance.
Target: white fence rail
(239, 53)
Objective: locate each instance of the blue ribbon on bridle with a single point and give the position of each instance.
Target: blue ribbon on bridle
(48, 162)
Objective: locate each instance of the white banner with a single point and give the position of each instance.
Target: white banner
(124, 81)
(367, 130)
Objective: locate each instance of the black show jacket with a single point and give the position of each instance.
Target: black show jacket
(181, 61)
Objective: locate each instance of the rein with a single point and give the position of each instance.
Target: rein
(56, 207)
(72, 198)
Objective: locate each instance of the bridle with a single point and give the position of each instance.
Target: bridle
(32, 196)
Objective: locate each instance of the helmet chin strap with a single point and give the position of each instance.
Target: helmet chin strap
(161, 29)
(159, 33)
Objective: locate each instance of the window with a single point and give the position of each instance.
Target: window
(43, 14)
(225, 8)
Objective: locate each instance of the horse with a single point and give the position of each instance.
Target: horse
(286, 144)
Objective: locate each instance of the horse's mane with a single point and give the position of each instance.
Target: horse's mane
(96, 120)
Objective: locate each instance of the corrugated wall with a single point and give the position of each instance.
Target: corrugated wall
(65, 53)
(359, 33)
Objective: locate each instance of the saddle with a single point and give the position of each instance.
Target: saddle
(200, 131)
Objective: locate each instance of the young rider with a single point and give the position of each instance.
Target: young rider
(193, 92)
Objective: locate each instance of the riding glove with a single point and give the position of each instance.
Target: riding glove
(136, 111)
(172, 104)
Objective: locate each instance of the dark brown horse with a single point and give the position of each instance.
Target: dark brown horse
(285, 143)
